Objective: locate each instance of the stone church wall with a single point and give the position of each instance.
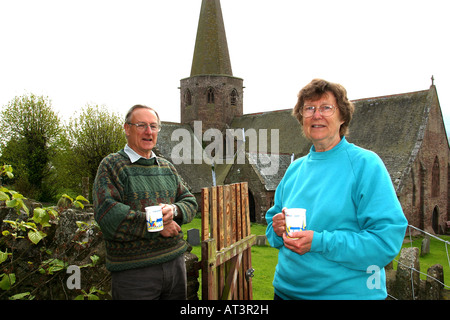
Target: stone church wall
(423, 207)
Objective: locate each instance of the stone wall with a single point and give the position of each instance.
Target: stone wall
(218, 114)
(42, 269)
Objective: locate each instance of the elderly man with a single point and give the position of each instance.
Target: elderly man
(143, 265)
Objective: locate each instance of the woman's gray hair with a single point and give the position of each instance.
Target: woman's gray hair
(315, 90)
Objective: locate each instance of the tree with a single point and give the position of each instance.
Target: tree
(89, 138)
(29, 130)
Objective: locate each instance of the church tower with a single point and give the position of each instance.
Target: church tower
(211, 94)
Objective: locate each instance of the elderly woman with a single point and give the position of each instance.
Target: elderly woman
(355, 224)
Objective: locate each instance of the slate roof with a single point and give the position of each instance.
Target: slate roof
(393, 127)
(269, 178)
(291, 139)
(196, 176)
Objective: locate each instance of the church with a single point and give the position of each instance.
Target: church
(406, 130)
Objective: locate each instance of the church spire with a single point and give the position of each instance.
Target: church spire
(211, 55)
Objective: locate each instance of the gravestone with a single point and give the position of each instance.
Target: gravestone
(409, 258)
(261, 240)
(193, 237)
(425, 247)
(434, 283)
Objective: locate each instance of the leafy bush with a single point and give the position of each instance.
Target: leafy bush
(25, 254)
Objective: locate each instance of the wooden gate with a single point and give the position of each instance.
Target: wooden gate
(226, 243)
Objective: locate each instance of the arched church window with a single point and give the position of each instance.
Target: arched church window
(233, 97)
(435, 179)
(187, 98)
(210, 95)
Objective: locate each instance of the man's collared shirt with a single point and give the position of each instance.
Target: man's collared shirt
(134, 156)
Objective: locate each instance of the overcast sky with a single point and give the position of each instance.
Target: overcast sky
(121, 53)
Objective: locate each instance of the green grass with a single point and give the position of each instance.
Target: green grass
(264, 261)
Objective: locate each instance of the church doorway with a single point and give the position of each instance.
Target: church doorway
(435, 220)
(251, 204)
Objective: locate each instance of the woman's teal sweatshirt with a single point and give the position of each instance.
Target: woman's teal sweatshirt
(358, 225)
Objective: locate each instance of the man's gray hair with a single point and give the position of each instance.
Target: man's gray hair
(140, 106)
